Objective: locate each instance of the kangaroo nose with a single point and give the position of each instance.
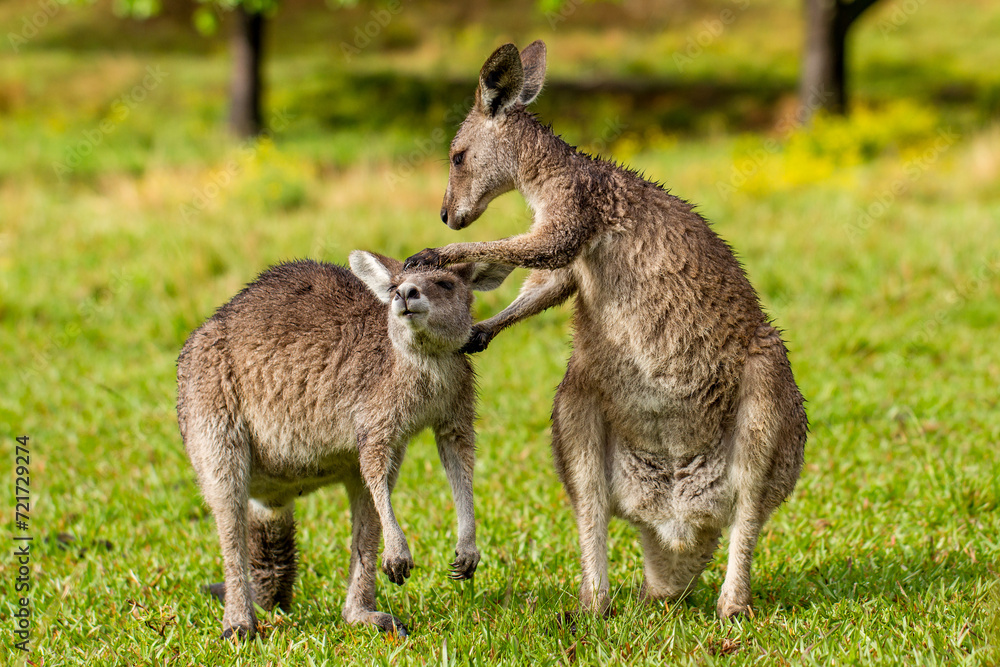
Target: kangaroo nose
(411, 293)
(444, 215)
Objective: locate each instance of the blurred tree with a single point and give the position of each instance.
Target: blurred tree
(246, 47)
(823, 80)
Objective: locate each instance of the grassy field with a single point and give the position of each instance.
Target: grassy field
(873, 242)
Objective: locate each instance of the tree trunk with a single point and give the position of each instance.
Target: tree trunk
(246, 90)
(823, 84)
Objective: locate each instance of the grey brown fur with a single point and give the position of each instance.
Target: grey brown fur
(314, 375)
(678, 411)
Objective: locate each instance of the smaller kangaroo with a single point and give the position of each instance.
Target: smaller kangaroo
(313, 375)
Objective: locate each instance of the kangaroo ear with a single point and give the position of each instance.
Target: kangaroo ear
(500, 81)
(374, 272)
(486, 277)
(533, 63)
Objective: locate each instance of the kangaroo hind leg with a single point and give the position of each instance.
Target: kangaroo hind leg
(579, 444)
(769, 441)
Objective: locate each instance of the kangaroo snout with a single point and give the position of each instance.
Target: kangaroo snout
(446, 203)
(457, 219)
(460, 218)
(455, 214)
(408, 300)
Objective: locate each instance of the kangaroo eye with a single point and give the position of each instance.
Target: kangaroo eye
(458, 158)
(445, 284)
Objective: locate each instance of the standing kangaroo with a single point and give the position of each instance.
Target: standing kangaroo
(678, 411)
(314, 375)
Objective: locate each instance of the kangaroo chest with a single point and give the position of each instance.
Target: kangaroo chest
(654, 338)
(655, 394)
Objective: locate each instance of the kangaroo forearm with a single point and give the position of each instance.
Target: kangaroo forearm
(457, 450)
(534, 251)
(461, 491)
(375, 464)
(392, 533)
(458, 459)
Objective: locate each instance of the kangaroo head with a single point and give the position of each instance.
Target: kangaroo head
(428, 307)
(483, 153)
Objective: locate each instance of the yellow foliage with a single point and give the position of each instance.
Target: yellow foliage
(273, 180)
(830, 148)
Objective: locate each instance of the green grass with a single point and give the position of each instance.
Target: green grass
(874, 248)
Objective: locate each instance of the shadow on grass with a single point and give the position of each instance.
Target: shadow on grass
(520, 609)
(893, 577)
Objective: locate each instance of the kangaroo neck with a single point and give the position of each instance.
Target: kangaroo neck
(552, 175)
(542, 158)
(417, 351)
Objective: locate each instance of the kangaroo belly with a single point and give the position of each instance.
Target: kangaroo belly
(276, 489)
(669, 444)
(295, 454)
